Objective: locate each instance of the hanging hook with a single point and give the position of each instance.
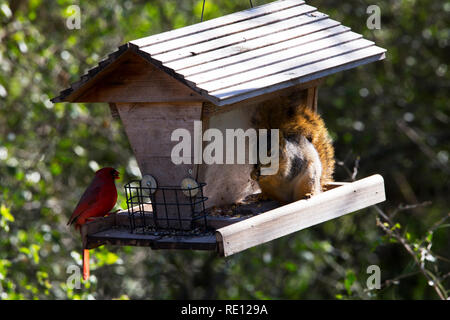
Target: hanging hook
(203, 9)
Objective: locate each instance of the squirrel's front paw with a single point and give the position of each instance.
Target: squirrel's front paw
(255, 174)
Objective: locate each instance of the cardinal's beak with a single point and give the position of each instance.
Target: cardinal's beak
(116, 174)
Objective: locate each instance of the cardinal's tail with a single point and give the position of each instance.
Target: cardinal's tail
(85, 264)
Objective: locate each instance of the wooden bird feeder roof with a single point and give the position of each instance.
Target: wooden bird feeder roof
(244, 54)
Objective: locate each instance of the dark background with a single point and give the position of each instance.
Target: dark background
(389, 117)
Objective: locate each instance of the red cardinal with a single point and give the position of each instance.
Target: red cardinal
(97, 201)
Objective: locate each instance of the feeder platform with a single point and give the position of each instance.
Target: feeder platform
(228, 235)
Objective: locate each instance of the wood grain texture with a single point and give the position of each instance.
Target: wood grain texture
(232, 34)
(122, 237)
(114, 111)
(229, 59)
(94, 226)
(302, 74)
(294, 93)
(267, 57)
(115, 230)
(228, 183)
(300, 215)
(271, 42)
(235, 234)
(312, 96)
(136, 80)
(319, 51)
(149, 127)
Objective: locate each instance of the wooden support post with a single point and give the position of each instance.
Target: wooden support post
(311, 99)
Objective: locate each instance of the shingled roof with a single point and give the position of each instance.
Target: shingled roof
(249, 53)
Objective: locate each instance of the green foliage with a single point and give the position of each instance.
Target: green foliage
(391, 116)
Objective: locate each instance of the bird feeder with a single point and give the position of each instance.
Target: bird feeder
(216, 74)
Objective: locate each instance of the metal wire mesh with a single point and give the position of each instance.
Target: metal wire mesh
(165, 209)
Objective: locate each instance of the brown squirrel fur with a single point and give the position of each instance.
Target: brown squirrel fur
(306, 154)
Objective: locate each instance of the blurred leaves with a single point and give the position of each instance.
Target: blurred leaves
(348, 282)
(390, 117)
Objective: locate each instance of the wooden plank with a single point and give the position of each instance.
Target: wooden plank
(217, 22)
(300, 215)
(302, 74)
(317, 51)
(294, 93)
(311, 100)
(149, 127)
(257, 47)
(229, 183)
(122, 237)
(227, 30)
(202, 242)
(267, 59)
(122, 234)
(283, 21)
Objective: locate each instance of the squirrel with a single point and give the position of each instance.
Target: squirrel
(306, 154)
